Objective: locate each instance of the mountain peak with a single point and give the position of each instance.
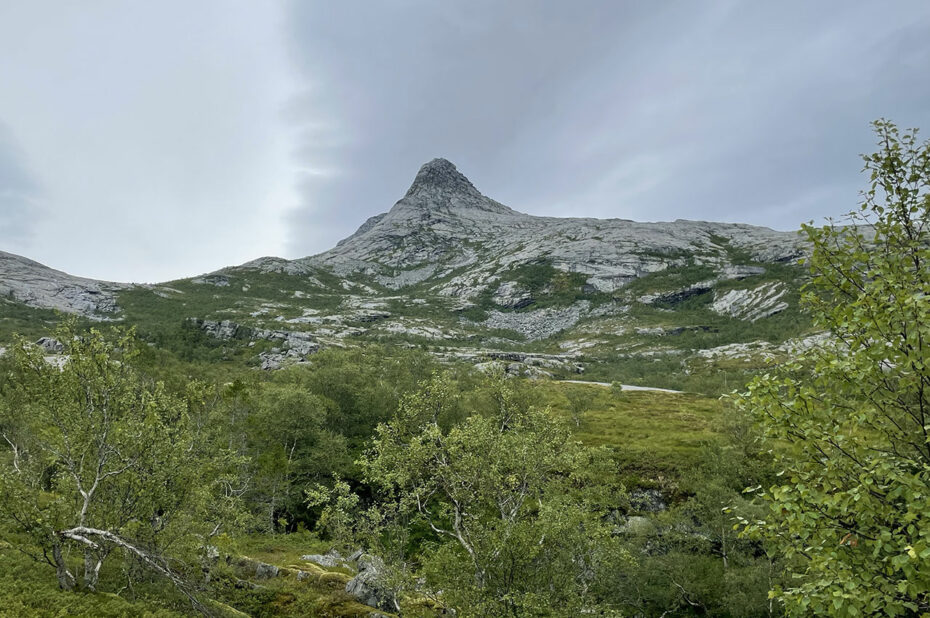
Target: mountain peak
(440, 177)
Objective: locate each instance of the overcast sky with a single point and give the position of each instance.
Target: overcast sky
(151, 141)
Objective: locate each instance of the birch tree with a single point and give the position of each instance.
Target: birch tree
(100, 462)
(504, 498)
(849, 423)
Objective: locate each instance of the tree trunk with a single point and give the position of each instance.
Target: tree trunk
(65, 578)
(92, 565)
(274, 495)
(723, 547)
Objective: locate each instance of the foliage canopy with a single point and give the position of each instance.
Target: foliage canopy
(849, 422)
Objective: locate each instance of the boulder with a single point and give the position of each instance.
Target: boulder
(512, 295)
(354, 556)
(330, 559)
(647, 500)
(50, 345)
(265, 571)
(370, 587)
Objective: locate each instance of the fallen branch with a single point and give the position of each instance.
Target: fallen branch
(81, 534)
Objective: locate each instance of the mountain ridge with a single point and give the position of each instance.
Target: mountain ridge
(444, 224)
(441, 197)
(37, 285)
(456, 272)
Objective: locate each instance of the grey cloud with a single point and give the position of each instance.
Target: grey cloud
(19, 194)
(182, 137)
(717, 110)
(155, 129)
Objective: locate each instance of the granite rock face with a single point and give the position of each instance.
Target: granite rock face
(276, 265)
(538, 324)
(446, 235)
(445, 231)
(36, 285)
(512, 295)
(298, 344)
(752, 304)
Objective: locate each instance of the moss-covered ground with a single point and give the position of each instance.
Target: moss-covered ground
(654, 435)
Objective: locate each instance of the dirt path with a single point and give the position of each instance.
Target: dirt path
(626, 387)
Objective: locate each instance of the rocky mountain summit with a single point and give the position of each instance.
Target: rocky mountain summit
(445, 232)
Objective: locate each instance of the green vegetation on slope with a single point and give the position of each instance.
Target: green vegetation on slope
(17, 318)
(290, 430)
(127, 487)
(26, 590)
(653, 433)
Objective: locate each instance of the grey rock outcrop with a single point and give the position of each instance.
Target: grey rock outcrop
(297, 344)
(764, 349)
(538, 324)
(727, 273)
(519, 363)
(266, 571)
(370, 586)
(679, 296)
(330, 559)
(512, 295)
(752, 304)
(50, 345)
(276, 265)
(36, 285)
(354, 556)
(223, 329)
(647, 500)
(220, 281)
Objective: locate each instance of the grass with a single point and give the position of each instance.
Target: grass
(669, 280)
(661, 431)
(17, 318)
(279, 549)
(28, 588)
(654, 435)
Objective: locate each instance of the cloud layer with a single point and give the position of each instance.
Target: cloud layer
(155, 132)
(149, 142)
(730, 111)
(19, 196)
